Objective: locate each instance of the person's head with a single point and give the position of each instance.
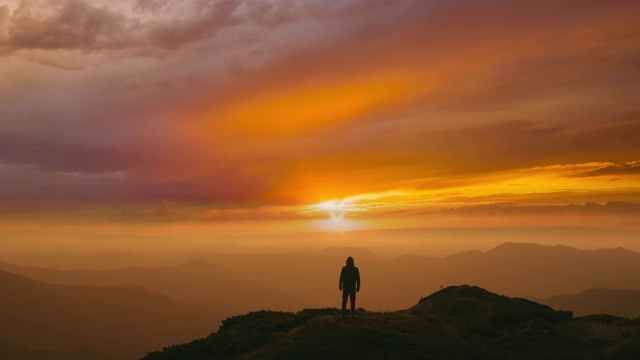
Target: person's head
(350, 261)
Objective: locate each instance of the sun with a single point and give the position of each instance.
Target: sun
(337, 221)
(333, 206)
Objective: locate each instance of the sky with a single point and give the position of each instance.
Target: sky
(252, 116)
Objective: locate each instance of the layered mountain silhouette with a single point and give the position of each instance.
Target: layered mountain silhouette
(459, 322)
(598, 301)
(196, 281)
(124, 321)
(126, 312)
(295, 280)
(515, 269)
(12, 351)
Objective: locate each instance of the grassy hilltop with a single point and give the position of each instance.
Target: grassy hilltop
(460, 322)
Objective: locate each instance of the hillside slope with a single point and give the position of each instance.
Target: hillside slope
(127, 320)
(195, 281)
(598, 301)
(460, 322)
(12, 351)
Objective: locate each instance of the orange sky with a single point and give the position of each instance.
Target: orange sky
(319, 115)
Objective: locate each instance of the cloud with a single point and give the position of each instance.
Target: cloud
(153, 6)
(153, 28)
(80, 25)
(261, 213)
(160, 215)
(58, 155)
(212, 17)
(22, 183)
(514, 209)
(627, 168)
(4, 16)
(63, 25)
(209, 213)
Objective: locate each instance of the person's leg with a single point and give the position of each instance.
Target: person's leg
(345, 294)
(353, 302)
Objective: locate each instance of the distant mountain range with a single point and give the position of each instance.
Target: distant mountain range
(542, 271)
(598, 301)
(515, 269)
(123, 313)
(221, 291)
(460, 322)
(13, 351)
(122, 321)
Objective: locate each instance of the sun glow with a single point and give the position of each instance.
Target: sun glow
(524, 188)
(301, 106)
(336, 211)
(337, 223)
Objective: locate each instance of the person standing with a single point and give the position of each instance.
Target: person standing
(349, 284)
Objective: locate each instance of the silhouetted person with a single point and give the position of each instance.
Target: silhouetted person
(349, 284)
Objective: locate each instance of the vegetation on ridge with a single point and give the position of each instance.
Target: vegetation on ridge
(461, 322)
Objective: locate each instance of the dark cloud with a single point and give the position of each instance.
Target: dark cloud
(35, 166)
(211, 17)
(509, 145)
(21, 183)
(4, 16)
(81, 25)
(51, 154)
(68, 24)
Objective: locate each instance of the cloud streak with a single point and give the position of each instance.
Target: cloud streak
(607, 208)
(627, 168)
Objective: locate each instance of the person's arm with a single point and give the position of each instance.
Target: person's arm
(357, 280)
(341, 279)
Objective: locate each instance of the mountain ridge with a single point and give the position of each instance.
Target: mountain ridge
(126, 320)
(618, 302)
(297, 280)
(458, 322)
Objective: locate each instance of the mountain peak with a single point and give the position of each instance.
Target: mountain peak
(528, 248)
(473, 303)
(458, 322)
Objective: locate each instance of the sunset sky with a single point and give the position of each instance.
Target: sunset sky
(254, 116)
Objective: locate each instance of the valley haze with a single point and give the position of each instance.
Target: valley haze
(123, 305)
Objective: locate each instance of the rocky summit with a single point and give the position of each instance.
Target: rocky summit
(458, 322)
